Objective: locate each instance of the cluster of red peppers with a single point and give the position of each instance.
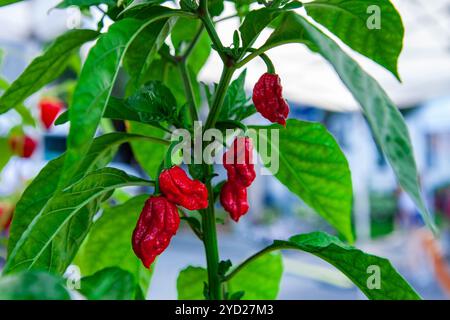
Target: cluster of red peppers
(238, 161)
(23, 145)
(159, 219)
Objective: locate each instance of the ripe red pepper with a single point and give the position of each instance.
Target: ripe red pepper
(234, 200)
(268, 98)
(4, 224)
(238, 161)
(22, 146)
(182, 190)
(50, 108)
(157, 224)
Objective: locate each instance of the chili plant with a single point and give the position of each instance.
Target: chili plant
(161, 47)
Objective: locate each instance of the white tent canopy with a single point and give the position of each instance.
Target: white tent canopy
(424, 64)
(307, 78)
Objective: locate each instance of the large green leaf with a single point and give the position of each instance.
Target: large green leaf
(349, 20)
(42, 188)
(109, 242)
(312, 166)
(385, 120)
(95, 84)
(6, 2)
(32, 285)
(363, 269)
(142, 51)
(84, 3)
(32, 249)
(109, 284)
(260, 279)
(190, 283)
(45, 68)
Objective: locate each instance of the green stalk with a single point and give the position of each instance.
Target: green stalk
(203, 14)
(210, 243)
(188, 90)
(219, 96)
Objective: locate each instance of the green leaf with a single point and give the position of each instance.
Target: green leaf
(312, 166)
(6, 153)
(95, 85)
(45, 68)
(199, 56)
(236, 105)
(32, 285)
(184, 32)
(42, 188)
(254, 23)
(190, 283)
(33, 249)
(109, 284)
(109, 242)
(142, 51)
(215, 7)
(260, 279)
(350, 21)
(148, 155)
(385, 120)
(84, 3)
(25, 114)
(152, 104)
(7, 2)
(357, 265)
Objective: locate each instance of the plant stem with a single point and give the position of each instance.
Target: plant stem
(193, 42)
(251, 258)
(188, 90)
(266, 59)
(210, 243)
(209, 25)
(219, 96)
(226, 18)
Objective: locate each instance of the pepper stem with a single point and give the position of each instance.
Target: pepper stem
(266, 59)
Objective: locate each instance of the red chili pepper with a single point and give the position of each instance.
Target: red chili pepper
(234, 200)
(23, 146)
(50, 108)
(238, 162)
(157, 224)
(268, 98)
(182, 190)
(4, 224)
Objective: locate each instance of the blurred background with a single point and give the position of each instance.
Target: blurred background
(386, 221)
